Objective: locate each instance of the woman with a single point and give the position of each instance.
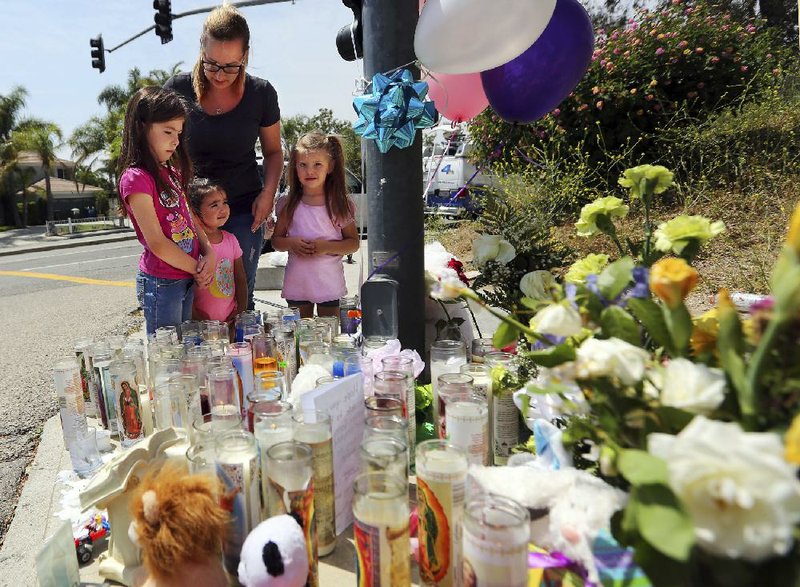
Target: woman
(230, 111)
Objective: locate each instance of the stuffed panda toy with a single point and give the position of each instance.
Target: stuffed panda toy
(274, 554)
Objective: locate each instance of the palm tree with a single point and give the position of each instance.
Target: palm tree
(43, 138)
(10, 110)
(25, 175)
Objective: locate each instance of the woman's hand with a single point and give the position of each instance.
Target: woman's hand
(262, 208)
(204, 273)
(301, 246)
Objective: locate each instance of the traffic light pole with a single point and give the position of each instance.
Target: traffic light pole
(394, 179)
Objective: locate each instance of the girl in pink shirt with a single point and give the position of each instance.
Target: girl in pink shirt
(154, 171)
(316, 224)
(226, 296)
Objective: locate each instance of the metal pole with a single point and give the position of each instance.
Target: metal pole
(394, 179)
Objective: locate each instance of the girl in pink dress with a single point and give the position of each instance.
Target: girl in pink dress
(316, 224)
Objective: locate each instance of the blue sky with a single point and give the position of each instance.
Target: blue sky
(45, 48)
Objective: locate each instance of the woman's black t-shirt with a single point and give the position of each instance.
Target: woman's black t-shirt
(222, 147)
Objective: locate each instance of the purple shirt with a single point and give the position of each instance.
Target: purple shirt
(173, 216)
(218, 301)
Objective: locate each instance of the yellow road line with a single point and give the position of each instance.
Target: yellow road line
(83, 280)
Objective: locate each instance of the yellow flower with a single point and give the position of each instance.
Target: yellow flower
(678, 233)
(792, 442)
(705, 329)
(793, 238)
(608, 207)
(592, 263)
(671, 280)
(644, 180)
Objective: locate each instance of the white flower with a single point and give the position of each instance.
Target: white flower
(693, 387)
(538, 285)
(492, 247)
(448, 286)
(611, 358)
(558, 320)
(742, 496)
(305, 381)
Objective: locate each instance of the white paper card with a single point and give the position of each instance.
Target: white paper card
(343, 400)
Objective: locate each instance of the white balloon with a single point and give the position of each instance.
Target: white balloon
(467, 36)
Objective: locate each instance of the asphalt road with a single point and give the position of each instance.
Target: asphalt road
(47, 301)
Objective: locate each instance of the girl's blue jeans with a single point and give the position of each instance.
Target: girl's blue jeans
(165, 302)
(251, 244)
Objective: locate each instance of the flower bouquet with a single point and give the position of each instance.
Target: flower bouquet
(694, 417)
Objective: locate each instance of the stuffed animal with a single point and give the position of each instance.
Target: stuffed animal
(274, 554)
(180, 526)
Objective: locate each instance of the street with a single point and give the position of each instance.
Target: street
(48, 300)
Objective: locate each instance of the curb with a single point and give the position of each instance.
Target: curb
(67, 245)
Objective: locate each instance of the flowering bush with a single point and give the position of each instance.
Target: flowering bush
(687, 415)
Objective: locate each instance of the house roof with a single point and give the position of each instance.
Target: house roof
(65, 188)
(31, 159)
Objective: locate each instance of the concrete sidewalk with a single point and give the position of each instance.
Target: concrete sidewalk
(34, 519)
(33, 239)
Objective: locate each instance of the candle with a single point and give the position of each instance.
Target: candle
(82, 352)
(451, 386)
(242, 360)
(479, 348)
(224, 394)
(447, 356)
(101, 360)
(237, 468)
(314, 429)
(384, 455)
(271, 426)
(69, 393)
(505, 415)
(467, 425)
(146, 410)
(126, 401)
(441, 475)
(291, 490)
(381, 530)
(495, 543)
(482, 384)
(406, 365)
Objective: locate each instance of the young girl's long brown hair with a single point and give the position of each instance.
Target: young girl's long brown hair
(147, 106)
(336, 200)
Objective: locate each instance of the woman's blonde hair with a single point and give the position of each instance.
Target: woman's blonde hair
(224, 23)
(336, 200)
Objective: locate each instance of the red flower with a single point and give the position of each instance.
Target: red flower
(458, 267)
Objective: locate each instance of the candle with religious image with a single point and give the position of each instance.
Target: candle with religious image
(126, 401)
(82, 351)
(242, 359)
(101, 361)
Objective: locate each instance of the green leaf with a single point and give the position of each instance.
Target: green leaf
(614, 278)
(552, 356)
(730, 342)
(662, 521)
(504, 335)
(641, 468)
(635, 248)
(673, 419)
(679, 322)
(532, 304)
(617, 322)
(649, 314)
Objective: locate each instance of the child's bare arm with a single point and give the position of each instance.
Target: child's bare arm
(240, 283)
(349, 243)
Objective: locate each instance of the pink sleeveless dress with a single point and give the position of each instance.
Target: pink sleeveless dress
(318, 278)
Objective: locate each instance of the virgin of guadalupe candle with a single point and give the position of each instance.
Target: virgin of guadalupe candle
(291, 490)
(82, 347)
(505, 415)
(238, 470)
(126, 400)
(242, 359)
(496, 534)
(314, 429)
(441, 475)
(447, 356)
(381, 531)
(101, 360)
(69, 393)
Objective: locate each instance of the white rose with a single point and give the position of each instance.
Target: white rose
(448, 286)
(742, 496)
(689, 386)
(611, 358)
(538, 285)
(558, 320)
(491, 247)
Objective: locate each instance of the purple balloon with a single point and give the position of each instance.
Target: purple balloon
(530, 86)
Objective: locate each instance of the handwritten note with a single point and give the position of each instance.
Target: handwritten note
(343, 400)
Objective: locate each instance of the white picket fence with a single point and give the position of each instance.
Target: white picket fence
(70, 226)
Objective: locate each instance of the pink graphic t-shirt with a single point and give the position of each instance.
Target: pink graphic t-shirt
(218, 301)
(173, 216)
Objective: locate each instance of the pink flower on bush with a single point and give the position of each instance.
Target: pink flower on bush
(557, 111)
(776, 71)
(626, 54)
(743, 68)
(683, 44)
(750, 28)
(769, 55)
(715, 60)
(699, 50)
(596, 90)
(617, 51)
(649, 97)
(660, 51)
(599, 105)
(602, 63)
(725, 27)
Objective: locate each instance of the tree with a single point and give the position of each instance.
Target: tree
(43, 138)
(10, 111)
(296, 126)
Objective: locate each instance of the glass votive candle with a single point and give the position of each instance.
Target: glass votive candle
(242, 359)
(271, 426)
(381, 527)
(314, 429)
(264, 353)
(201, 459)
(386, 427)
(451, 385)
(269, 381)
(224, 394)
(479, 348)
(204, 430)
(167, 334)
(467, 426)
(384, 406)
(319, 353)
(504, 424)
(447, 356)
(332, 323)
(258, 401)
(191, 332)
(291, 491)
(170, 407)
(385, 455)
(441, 476)
(399, 383)
(495, 542)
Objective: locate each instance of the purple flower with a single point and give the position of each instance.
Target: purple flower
(660, 51)
(641, 278)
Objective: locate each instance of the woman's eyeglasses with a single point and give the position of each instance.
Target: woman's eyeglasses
(212, 67)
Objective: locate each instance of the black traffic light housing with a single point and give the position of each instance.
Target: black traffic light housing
(163, 19)
(98, 53)
(350, 38)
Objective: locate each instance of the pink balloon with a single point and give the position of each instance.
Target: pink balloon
(458, 97)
